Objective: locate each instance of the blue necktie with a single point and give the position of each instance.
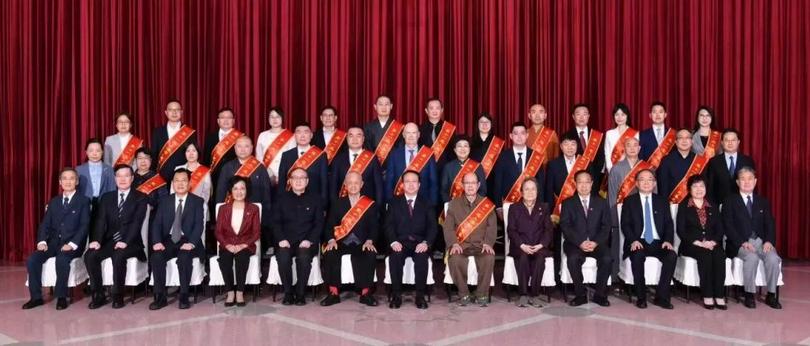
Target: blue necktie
(410, 158)
(750, 206)
(648, 225)
(731, 166)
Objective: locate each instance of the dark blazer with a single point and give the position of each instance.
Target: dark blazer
(192, 222)
(411, 230)
(556, 173)
(689, 228)
(319, 141)
(598, 162)
(259, 187)
(297, 218)
(154, 197)
(317, 173)
(719, 182)
(740, 227)
(426, 130)
(529, 229)
(633, 220)
(576, 227)
(373, 133)
(211, 141)
(249, 230)
(646, 139)
(160, 136)
(62, 225)
(85, 185)
(428, 178)
(372, 177)
(507, 171)
(128, 223)
(366, 228)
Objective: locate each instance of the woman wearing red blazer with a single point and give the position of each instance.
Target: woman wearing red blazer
(237, 232)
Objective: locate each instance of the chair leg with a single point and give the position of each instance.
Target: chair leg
(314, 292)
(447, 289)
(548, 294)
(564, 294)
(195, 294)
(507, 289)
(274, 292)
(688, 297)
(256, 292)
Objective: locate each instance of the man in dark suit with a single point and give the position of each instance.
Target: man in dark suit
(751, 234)
(411, 229)
(162, 135)
(225, 120)
(648, 231)
(429, 130)
(116, 235)
(62, 234)
(353, 236)
(400, 160)
(375, 129)
(326, 133)
(651, 138)
(585, 221)
(583, 132)
(675, 166)
(347, 160)
(721, 171)
(176, 232)
(317, 171)
(559, 168)
(512, 163)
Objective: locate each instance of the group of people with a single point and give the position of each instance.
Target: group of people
(390, 187)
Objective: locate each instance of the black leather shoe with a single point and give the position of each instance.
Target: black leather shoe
(241, 304)
(721, 306)
(300, 301)
(395, 303)
(641, 303)
(32, 304)
(577, 301)
(159, 303)
(98, 301)
(664, 304)
(749, 301)
(288, 300)
(771, 301)
(330, 299)
(183, 302)
(708, 307)
(118, 302)
(421, 303)
(601, 301)
(368, 299)
(61, 303)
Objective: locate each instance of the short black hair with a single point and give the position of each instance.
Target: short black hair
(143, 150)
(225, 109)
(121, 166)
(658, 103)
(175, 100)
(191, 144)
(581, 172)
(517, 124)
(697, 178)
(93, 140)
(745, 169)
(181, 171)
(236, 179)
(124, 114)
(578, 105)
(431, 99)
(569, 137)
(324, 108)
(410, 171)
(731, 130)
(277, 110)
(302, 123)
(67, 169)
(383, 95)
(649, 170)
(697, 116)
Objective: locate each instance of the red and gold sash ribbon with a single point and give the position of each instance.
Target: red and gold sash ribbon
(443, 139)
(417, 164)
(457, 188)
(491, 156)
(478, 216)
(334, 144)
(128, 154)
(388, 140)
(569, 187)
(173, 144)
(247, 169)
(663, 149)
(712, 144)
(532, 167)
(681, 190)
(152, 184)
(360, 164)
(276, 146)
(629, 182)
(352, 217)
(223, 146)
(197, 177)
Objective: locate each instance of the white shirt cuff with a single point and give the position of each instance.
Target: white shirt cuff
(74, 246)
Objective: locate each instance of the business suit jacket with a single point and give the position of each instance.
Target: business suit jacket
(160, 136)
(62, 225)
(530, 229)
(128, 223)
(426, 131)
(556, 173)
(577, 227)
(408, 229)
(507, 171)
(690, 229)
(86, 185)
(373, 133)
(365, 229)
(191, 222)
(317, 172)
(740, 227)
(372, 177)
(319, 141)
(249, 230)
(428, 177)
(211, 141)
(154, 197)
(112, 149)
(259, 186)
(297, 218)
(719, 182)
(633, 220)
(598, 162)
(648, 143)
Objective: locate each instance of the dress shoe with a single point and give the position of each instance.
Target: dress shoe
(159, 303)
(522, 302)
(183, 302)
(577, 301)
(771, 301)
(482, 301)
(300, 301)
(330, 299)
(421, 303)
(395, 303)
(118, 303)
(32, 304)
(288, 300)
(369, 300)
(61, 303)
(601, 301)
(664, 304)
(708, 306)
(749, 301)
(241, 304)
(721, 306)
(98, 301)
(641, 303)
(465, 300)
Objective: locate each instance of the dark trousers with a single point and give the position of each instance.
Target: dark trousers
(667, 258)
(303, 266)
(396, 262)
(530, 269)
(604, 264)
(93, 259)
(711, 269)
(35, 263)
(184, 267)
(240, 260)
(362, 264)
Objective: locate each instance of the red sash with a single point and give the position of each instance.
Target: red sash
(360, 164)
(478, 215)
(352, 217)
(247, 169)
(618, 148)
(468, 167)
(711, 144)
(223, 146)
(276, 146)
(542, 141)
(491, 156)
(152, 184)
(197, 177)
(629, 182)
(334, 144)
(305, 161)
(569, 187)
(663, 149)
(532, 166)
(388, 140)
(173, 144)
(681, 190)
(417, 164)
(128, 154)
(443, 139)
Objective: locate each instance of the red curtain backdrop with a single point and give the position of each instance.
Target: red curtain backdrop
(67, 67)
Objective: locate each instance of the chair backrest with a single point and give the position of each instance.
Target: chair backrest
(216, 214)
(506, 206)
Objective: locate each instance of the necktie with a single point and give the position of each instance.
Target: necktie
(658, 136)
(648, 226)
(582, 139)
(731, 166)
(433, 133)
(520, 161)
(410, 158)
(585, 207)
(354, 158)
(178, 214)
(117, 234)
(410, 206)
(750, 206)
(65, 202)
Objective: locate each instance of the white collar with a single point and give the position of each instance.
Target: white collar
(69, 195)
(223, 132)
(410, 197)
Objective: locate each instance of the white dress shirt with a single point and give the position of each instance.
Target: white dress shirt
(522, 155)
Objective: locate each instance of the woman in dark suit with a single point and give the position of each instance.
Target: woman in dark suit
(237, 232)
(530, 233)
(700, 229)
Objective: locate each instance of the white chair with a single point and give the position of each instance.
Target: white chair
(315, 277)
(408, 274)
(254, 273)
(652, 266)
(737, 274)
(510, 276)
(137, 270)
(198, 273)
(472, 272)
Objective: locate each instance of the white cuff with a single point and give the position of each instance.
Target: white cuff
(74, 246)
